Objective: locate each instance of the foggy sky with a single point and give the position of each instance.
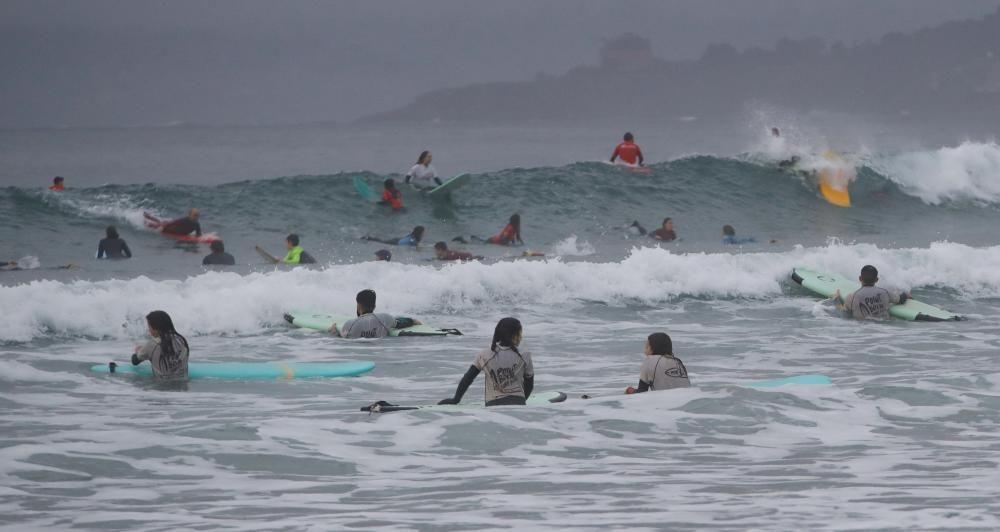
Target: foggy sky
(122, 63)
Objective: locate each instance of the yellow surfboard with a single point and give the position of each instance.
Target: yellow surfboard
(833, 183)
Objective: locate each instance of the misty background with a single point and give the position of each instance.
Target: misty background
(120, 63)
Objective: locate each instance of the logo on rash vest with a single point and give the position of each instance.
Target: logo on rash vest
(872, 306)
(504, 378)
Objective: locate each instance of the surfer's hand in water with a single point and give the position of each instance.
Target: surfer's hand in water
(448, 401)
(630, 390)
(333, 328)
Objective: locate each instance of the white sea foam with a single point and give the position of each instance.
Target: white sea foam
(969, 171)
(221, 302)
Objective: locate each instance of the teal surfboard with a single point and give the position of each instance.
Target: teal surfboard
(364, 190)
(251, 370)
(319, 321)
(797, 379)
(443, 190)
(538, 399)
(827, 284)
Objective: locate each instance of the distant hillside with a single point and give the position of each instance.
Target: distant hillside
(949, 71)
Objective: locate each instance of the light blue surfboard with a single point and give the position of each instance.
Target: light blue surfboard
(444, 190)
(251, 370)
(364, 190)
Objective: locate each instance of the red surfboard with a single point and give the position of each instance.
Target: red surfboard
(156, 224)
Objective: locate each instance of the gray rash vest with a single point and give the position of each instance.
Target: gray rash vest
(173, 368)
(870, 303)
(505, 371)
(368, 326)
(663, 372)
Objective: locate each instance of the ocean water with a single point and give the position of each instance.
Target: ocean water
(905, 438)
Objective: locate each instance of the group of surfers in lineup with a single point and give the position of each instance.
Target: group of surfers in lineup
(509, 372)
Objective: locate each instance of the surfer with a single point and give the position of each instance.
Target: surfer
(510, 375)
(113, 246)
(422, 175)
(636, 229)
(661, 370)
(391, 195)
(184, 226)
(383, 254)
(628, 151)
(729, 237)
(412, 239)
(442, 252)
(295, 255)
(167, 351)
(869, 302)
(368, 324)
(218, 257)
(57, 184)
(665, 232)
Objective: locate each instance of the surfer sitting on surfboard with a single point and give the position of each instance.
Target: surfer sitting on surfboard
(422, 175)
(412, 239)
(869, 302)
(661, 370)
(628, 151)
(167, 351)
(510, 375)
(368, 324)
(391, 195)
(441, 252)
(665, 232)
(295, 255)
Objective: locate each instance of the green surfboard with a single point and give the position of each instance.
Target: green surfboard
(444, 190)
(827, 284)
(364, 190)
(319, 321)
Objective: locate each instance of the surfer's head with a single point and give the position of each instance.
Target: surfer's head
(57, 180)
(193, 214)
(292, 240)
(383, 254)
(389, 184)
(111, 232)
(628, 137)
(217, 246)
(507, 334)
(418, 233)
(159, 323)
(727, 230)
(366, 301)
(668, 224)
(440, 249)
(425, 158)
(659, 344)
(775, 132)
(869, 275)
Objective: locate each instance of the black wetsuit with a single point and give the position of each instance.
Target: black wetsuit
(223, 259)
(113, 248)
(182, 226)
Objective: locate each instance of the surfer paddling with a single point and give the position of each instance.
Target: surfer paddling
(368, 324)
(869, 302)
(295, 255)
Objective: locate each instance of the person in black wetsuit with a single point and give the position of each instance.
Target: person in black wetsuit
(218, 257)
(184, 226)
(113, 247)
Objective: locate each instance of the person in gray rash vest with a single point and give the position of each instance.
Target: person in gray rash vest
(167, 351)
(869, 302)
(368, 324)
(510, 374)
(661, 370)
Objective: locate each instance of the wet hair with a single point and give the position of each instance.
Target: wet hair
(775, 131)
(160, 322)
(423, 155)
(56, 180)
(366, 299)
(217, 246)
(728, 230)
(418, 233)
(665, 220)
(628, 136)
(293, 238)
(869, 275)
(660, 344)
(504, 334)
(383, 254)
(442, 246)
(111, 232)
(389, 183)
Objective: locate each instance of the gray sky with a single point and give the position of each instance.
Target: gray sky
(110, 63)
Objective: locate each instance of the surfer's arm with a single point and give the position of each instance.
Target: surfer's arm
(614, 154)
(528, 385)
(126, 250)
(197, 229)
(639, 153)
(100, 250)
(463, 385)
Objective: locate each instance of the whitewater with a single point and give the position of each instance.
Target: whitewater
(905, 438)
